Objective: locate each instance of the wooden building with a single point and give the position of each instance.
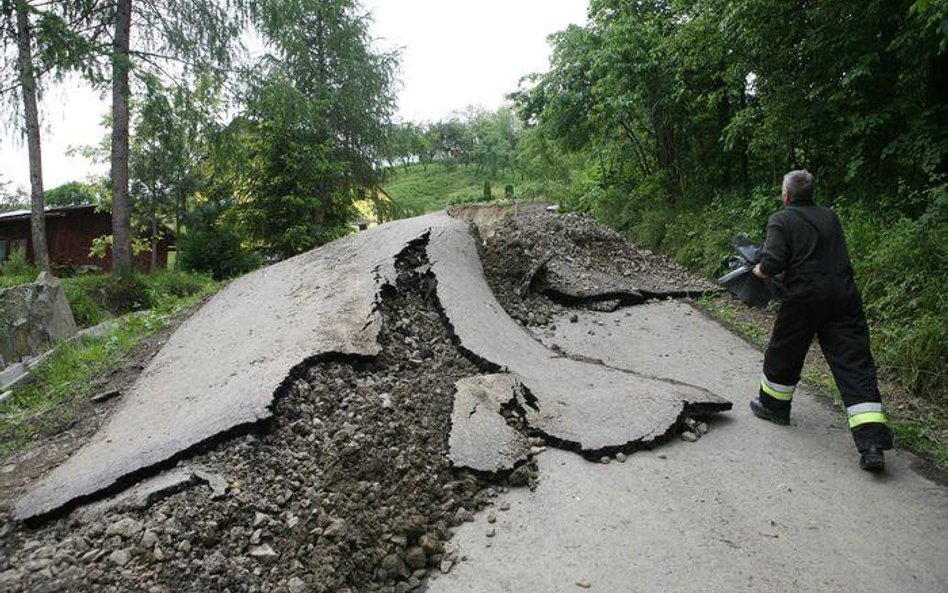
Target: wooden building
(69, 234)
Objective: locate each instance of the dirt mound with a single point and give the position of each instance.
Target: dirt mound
(347, 488)
(536, 262)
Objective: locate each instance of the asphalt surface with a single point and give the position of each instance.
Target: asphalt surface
(220, 370)
(749, 507)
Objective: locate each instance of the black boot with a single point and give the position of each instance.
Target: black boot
(872, 459)
(761, 411)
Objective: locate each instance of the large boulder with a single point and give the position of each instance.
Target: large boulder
(33, 318)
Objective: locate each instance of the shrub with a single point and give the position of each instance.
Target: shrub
(16, 265)
(218, 252)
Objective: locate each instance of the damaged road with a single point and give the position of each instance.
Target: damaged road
(221, 369)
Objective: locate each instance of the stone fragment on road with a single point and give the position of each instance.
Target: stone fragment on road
(689, 436)
(480, 438)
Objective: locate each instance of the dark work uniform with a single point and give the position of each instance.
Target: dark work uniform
(805, 241)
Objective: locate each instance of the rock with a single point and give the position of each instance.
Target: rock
(491, 531)
(296, 585)
(520, 476)
(446, 565)
(605, 460)
(393, 565)
(415, 558)
(264, 553)
(463, 516)
(149, 539)
(158, 554)
(126, 528)
(573, 318)
(504, 506)
(260, 518)
(702, 428)
(34, 318)
(336, 529)
(9, 578)
(430, 543)
(184, 547)
(621, 457)
(492, 517)
(120, 557)
(583, 583)
(689, 436)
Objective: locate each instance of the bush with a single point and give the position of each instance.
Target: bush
(16, 265)
(218, 252)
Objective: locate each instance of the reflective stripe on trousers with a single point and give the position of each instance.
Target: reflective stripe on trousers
(776, 390)
(865, 413)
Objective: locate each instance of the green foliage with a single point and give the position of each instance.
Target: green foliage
(75, 193)
(17, 265)
(217, 251)
(97, 297)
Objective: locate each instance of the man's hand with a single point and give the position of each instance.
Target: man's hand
(759, 272)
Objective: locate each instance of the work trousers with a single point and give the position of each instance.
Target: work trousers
(840, 325)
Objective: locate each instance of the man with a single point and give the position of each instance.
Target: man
(805, 242)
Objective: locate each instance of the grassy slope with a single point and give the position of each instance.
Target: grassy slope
(417, 191)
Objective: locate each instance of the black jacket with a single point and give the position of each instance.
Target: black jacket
(806, 242)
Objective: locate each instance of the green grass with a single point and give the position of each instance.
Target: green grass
(417, 191)
(66, 378)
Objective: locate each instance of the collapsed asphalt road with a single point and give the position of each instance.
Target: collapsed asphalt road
(338, 416)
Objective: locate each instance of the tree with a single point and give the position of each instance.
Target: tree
(75, 193)
(188, 35)
(46, 43)
(312, 132)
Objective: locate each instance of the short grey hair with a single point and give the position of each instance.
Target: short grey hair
(799, 183)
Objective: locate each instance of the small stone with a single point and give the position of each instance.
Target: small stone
(120, 557)
(620, 457)
(263, 552)
(573, 318)
(157, 554)
(184, 547)
(430, 543)
(504, 506)
(260, 518)
(663, 456)
(149, 539)
(492, 517)
(491, 531)
(336, 529)
(605, 460)
(89, 556)
(446, 565)
(293, 521)
(415, 558)
(255, 537)
(297, 585)
(126, 528)
(689, 436)
(702, 428)
(583, 583)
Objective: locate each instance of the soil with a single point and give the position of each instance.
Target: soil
(518, 247)
(347, 489)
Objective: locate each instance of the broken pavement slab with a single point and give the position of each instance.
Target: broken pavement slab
(480, 438)
(578, 404)
(220, 370)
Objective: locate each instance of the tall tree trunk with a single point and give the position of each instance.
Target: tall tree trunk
(154, 234)
(121, 215)
(28, 84)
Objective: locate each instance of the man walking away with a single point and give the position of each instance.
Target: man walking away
(805, 241)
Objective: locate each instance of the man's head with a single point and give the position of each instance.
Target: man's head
(797, 186)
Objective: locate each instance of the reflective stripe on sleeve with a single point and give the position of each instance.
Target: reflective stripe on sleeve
(776, 390)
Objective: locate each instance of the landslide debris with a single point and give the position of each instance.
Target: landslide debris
(537, 262)
(348, 487)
